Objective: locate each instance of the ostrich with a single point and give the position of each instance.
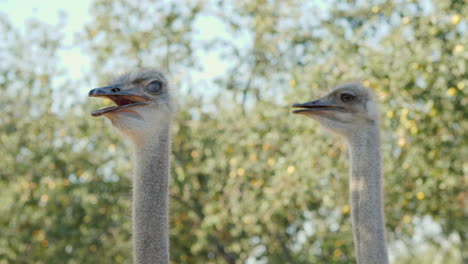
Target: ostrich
(143, 114)
(351, 111)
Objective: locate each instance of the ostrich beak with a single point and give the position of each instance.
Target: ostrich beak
(122, 98)
(316, 106)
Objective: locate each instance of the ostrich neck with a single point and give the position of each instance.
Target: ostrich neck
(150, 198)
(367, 196)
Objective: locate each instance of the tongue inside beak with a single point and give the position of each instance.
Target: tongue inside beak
(122, 102)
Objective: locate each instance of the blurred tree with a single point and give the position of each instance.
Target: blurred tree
(395, 49)
(140, 34)
(55, 206)
(250, 181)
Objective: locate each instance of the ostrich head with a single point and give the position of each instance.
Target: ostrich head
(346, 109)
(143, 102)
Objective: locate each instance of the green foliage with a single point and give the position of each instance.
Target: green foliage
(55, 204)
(249, 180)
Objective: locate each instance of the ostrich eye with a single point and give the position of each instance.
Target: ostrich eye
(346, 97)
(155, 87)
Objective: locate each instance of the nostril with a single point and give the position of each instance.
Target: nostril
(115, 90)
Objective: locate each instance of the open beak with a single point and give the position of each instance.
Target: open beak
(123, 99)
(316, 106)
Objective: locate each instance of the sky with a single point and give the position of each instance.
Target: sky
(19, 11)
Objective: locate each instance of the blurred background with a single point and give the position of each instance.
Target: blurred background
(251, 183)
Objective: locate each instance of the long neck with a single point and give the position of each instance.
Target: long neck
(150, 198)
(367, 196)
